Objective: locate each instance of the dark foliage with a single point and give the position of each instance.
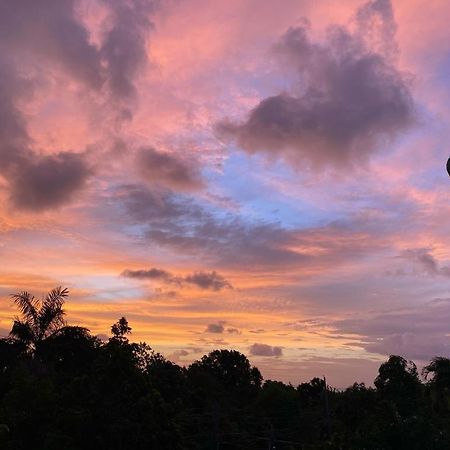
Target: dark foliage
(62, 388)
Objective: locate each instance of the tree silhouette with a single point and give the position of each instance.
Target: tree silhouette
(438, 374)
(40, 318)
(229, 367)
(398, 382)
(439, 369)
(120, 329)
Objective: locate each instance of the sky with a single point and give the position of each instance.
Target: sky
(261, 176)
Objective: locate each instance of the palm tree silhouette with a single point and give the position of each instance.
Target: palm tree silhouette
(40, 318)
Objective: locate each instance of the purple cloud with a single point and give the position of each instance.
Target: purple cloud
(425, 261)
(48, 182)
(217, 328)
(204, 280)
(417, 333)
(181, 224)
(34, 182)
(50, 37)
(265, 350)
(167, 170)
(52, 30)
(124, 46)
(349, 96)
(150, 274)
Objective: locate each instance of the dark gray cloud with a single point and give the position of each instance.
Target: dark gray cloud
(167, 170)
(43, 35)
(37, 41)
(156, 208)
(52, 30)
(204, 280)
(265, 350)
(150, 274)
(14, 138)
(34, 182)
(376, 26)
(124, 46)
(178, 223)
(208, 280)
(48, 181)
(425, 262)
(231, 241)
(349, 97)
(217, 328)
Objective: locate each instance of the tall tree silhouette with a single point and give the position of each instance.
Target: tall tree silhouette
(398, 381)
(438, 374)
(120, 329)
(39, 318)
(438, 371)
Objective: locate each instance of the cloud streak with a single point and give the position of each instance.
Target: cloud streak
(417, 332)
(203, 280)
(182, 224)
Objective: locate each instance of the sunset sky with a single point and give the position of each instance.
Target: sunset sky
(267, 176)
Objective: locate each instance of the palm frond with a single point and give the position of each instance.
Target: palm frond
(39, 318)
(28, 305)
(22, 331)
(51, 314)
(56, 297)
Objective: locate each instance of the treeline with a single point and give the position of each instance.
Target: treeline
(62, 388)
